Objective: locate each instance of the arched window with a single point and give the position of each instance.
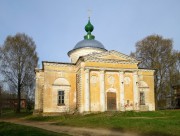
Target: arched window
(61, 88)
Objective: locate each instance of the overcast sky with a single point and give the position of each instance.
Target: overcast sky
(57, 25)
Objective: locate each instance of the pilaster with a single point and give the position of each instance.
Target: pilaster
(102, 91)
(121, 76)
(135, 90)
(37, 95)
(86, 92)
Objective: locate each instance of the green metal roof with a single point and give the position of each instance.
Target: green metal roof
(89, 28)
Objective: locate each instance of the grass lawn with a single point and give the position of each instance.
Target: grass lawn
(9, 129)
(9, 113)
(158, 123)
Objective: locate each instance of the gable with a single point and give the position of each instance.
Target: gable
(111, 56)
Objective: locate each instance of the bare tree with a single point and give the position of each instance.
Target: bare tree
(18, 59)
(0, 100)
(157, 53)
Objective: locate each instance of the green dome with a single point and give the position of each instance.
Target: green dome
(89, 27)
(89, 40)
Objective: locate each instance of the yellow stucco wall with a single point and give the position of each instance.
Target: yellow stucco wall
(94, 90)
(51, 73)
(46, 90)
(112, 85)
(148, 77)
(128, 89)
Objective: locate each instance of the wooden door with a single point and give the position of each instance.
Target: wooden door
(111, 101)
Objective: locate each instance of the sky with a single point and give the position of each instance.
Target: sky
(57, 26)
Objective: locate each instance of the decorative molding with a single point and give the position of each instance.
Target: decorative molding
(94, 79)
(86, 70)
(121, 72)
(112, 52)
(64, 87)
(127, 80)
(111, 72)
(58, 64)
(111, 69)
(61, 74)
(51, 70)
(113, 90)
(102, 70)
(111, 80)
(120, 69)
(94, 59)
(61, 82)
(146, 70)
(143, 84)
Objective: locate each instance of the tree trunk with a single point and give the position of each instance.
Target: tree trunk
(19, 99)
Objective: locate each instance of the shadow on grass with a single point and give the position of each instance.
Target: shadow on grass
(12, 114)
(10, 129)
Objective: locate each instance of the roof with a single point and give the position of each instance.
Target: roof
(121, 58)
(89, 40)
(89, 43)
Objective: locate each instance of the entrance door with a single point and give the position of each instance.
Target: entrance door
(111, 101)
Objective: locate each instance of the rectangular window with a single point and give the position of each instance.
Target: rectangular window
(61, 97)
(142, 98)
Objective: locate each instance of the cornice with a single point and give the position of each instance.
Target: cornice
(112, 52)
(146, 70)
(120, 69)
(59, 64)
(94, 59)
(112, 69)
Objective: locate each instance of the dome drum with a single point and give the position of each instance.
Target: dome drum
(75, 54)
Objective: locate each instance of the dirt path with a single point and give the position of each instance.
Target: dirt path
(74, 131)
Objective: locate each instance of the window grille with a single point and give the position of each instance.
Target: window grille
(61, 97)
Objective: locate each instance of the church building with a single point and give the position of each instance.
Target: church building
(96, 80)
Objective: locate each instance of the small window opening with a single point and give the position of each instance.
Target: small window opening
(61, 97)
(142, 98)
